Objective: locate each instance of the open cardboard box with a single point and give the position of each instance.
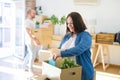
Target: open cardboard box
(55, 73)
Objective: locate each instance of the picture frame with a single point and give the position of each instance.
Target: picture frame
(86, 2)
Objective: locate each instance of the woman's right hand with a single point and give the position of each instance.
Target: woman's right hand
(56, 55)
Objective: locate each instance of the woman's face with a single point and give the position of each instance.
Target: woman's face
(70, 24)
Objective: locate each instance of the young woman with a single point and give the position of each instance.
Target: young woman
(77, 43)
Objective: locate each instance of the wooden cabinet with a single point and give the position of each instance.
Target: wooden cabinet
(44, 35)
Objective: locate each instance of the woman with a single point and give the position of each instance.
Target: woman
(77, 43)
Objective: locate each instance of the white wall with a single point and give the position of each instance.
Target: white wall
(104, 17)
(108, 18)
(114, 54)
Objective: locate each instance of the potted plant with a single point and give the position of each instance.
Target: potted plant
(54, 19)
(37, 24)
(58, 23)
(62, 29)
(62, 20)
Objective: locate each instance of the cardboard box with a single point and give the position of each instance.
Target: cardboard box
(44, 55)
(44, 35)
(55, 73)
(40, 18)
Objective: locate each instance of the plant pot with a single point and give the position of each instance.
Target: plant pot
(37, 26)
(62, 30)
(59, 29)
(56, 29)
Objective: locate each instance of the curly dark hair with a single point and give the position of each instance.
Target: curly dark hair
(78, 22)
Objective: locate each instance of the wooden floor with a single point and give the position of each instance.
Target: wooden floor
(11, 68)
(112, 69)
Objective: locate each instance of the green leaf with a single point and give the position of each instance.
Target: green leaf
(37, 23)
(67, 63)
(62, 20)
(54, 19)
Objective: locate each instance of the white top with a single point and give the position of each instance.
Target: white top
(69, 44)
(28, 24)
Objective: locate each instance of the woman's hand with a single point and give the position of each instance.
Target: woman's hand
(55, 56)
(55, 53)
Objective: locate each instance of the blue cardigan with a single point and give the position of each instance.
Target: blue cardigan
(82, 52)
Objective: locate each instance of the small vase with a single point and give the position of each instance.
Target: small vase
(37, 26)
